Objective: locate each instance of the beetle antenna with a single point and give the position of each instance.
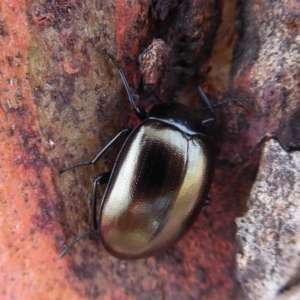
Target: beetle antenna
(221, 103)
(230, 100)
(139, 112)
(85, 234)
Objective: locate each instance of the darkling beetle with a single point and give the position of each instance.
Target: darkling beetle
(159, 182)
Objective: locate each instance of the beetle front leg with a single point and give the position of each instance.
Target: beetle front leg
(210, 121)
(124, 132)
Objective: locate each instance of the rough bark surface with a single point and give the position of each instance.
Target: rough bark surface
(269, 234)
(61, 101)
(266, 69)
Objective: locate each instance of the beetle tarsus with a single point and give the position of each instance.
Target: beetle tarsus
(87, 233)
(74, 166)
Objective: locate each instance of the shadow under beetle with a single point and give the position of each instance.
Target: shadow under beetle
(159, 182)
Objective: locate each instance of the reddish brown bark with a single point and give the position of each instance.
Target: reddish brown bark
(62, 101)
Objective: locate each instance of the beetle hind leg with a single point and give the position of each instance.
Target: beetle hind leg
(101, 179)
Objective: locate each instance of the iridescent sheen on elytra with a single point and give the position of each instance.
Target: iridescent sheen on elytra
(158, 186)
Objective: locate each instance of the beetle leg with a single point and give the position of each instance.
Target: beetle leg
(207, 122)
(103, 178)
(87, 233)
(124, 132)
(141, 114)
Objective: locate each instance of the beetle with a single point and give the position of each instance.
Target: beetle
(159, 182)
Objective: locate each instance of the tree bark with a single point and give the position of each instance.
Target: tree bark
(62, 100)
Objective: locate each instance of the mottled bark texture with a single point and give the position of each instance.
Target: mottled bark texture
(61, 101)
(266, 69)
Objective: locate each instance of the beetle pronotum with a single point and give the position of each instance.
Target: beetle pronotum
(159, 182)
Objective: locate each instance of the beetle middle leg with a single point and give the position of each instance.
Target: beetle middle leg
(124, 132)
(101, 179)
